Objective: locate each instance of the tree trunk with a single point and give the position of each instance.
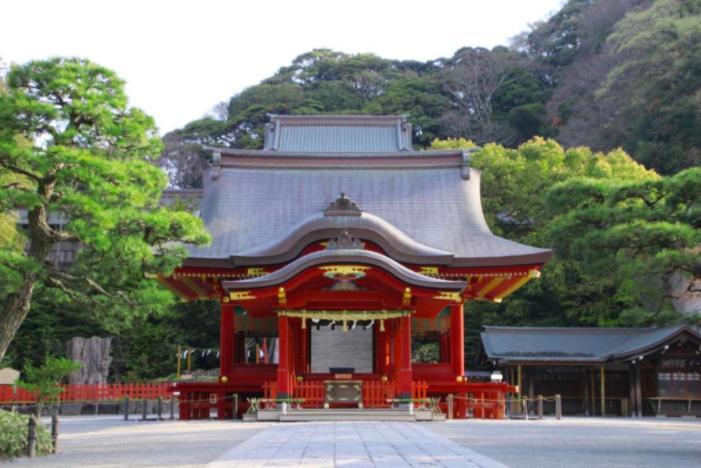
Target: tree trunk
(16, 305)
(14, 310)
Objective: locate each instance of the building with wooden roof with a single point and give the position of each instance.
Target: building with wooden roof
(340, 244)
(628, 371)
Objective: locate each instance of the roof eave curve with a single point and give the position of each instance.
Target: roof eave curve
(342, 256)
(364, 226)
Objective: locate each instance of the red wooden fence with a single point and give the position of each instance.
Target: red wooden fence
(10, 394)
(313, 393)
(419, 390)
(375, 393)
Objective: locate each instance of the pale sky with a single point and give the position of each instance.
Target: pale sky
(180, 58)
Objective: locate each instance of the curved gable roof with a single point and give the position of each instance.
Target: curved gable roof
(252, 200)
(320, 226)
(345, 256)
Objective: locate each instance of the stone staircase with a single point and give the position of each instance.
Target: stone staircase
(345, 414)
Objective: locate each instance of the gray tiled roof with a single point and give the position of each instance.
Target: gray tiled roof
(336, 133)
(549, 344)
(248, 207)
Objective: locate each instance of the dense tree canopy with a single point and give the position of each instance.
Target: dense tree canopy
(604, 78)
(78, 160)
(621, 234)
(644, 233)
(598, 73)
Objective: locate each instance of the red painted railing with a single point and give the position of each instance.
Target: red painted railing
(92, 392)
(269, 393)
(419, 390)
(376, 393)
(313, 393)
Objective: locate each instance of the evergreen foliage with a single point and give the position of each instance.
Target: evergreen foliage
(598, 73)
(79, 161)
(604, 78)
(45, 380)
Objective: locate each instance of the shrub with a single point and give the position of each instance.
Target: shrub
(13, 436)
(45, 380)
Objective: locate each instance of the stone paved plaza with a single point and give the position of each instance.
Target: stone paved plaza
(351, 444)
(106, 441)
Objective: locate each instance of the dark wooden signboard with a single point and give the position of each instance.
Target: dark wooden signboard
(344, 391)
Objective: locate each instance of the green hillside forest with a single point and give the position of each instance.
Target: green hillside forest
(590, 128)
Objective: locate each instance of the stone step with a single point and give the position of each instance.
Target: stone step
(346, 417)
(347, 414)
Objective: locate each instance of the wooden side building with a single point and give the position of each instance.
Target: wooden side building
(603, 371)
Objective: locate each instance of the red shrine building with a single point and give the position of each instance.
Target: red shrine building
(334, 248)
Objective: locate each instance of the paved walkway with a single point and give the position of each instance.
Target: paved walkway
(109, 442)
(351, 444)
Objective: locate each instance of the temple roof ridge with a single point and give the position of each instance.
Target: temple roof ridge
(338, 133)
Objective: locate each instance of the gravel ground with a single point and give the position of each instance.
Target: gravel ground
(107, 441)
(582, 442)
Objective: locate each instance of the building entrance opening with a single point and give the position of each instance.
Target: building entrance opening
(337, 351)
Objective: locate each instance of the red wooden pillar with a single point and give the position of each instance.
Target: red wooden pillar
(403, 364)
(457, 353)
(283, 367)
(299, 346)
(444, 348)
(457, 340)
(226, 340)
(380, 351)
(304, 345)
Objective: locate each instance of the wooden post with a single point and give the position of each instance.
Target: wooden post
(226, 340)
(126, 408)
(32, 437)
(603, 391)
(450, 406)
(519, 376)
(443, 348)
(631, 390)
(624, 407)
(54, 433)
(180, 358)
(172, 407)
(283, 371)
(457, 339)
(144, 409)
(586, 395)
(558, 406)
(540, 406)
(593, 391)
(159, 408)
(403, 342)
(638, 392)
(524, 406)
